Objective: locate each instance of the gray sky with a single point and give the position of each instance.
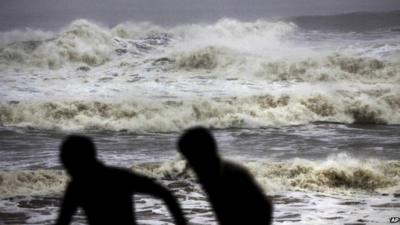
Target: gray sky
(51, 14)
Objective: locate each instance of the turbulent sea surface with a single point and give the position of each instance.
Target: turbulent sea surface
(310, 105)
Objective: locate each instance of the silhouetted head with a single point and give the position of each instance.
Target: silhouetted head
(198, 146)
(78, 155)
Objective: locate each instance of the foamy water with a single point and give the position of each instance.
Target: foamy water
(319, 173)
(141, 77)
(313, 114)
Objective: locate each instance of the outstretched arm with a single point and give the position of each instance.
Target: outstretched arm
(151, 187)
(68, 207)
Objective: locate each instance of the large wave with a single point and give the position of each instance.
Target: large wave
(81, 42)
(228, 47)
(87, 43)
(235, 112)
(139, 58)
(31, 182)
(337, 174)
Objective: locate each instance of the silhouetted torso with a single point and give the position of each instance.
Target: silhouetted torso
(233, 193)
(107, 196)
(236, 198)
(104, 193)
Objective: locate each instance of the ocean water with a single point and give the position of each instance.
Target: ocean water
(310, 105)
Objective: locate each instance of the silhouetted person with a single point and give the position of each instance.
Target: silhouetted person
(104, 193)
(232, 192)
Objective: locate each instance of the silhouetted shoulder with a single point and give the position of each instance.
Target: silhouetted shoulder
(127, 177)
(233, 169)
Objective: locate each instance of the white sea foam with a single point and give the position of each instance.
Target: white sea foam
(233, 112)
(227, 74)
(27, 35)
(31, 182)
(81, 42)
(336, 174)
(139, 77)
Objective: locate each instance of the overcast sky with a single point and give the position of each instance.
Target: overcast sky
(50, 14)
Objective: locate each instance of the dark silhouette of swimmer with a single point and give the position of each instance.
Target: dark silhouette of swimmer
(232, 192)
(104, 193)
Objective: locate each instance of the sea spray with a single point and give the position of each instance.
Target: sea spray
(338, 174)
(31, 182)
(165, 116)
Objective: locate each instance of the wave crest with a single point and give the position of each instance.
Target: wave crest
(340, 173)
(33, 182)
(81, 42)
(334, 67)
(208, 58)
(337, 174)
(84, 42)
(244, 112)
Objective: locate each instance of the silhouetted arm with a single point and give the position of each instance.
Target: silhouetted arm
(148, 186)
(68, 207)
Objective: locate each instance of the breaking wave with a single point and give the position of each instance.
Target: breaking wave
(128, 55)
(263, 49)
(235, 112)
(225, 62)
(87, 43)
(31, 182)
(337, 174)
(81, 42)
